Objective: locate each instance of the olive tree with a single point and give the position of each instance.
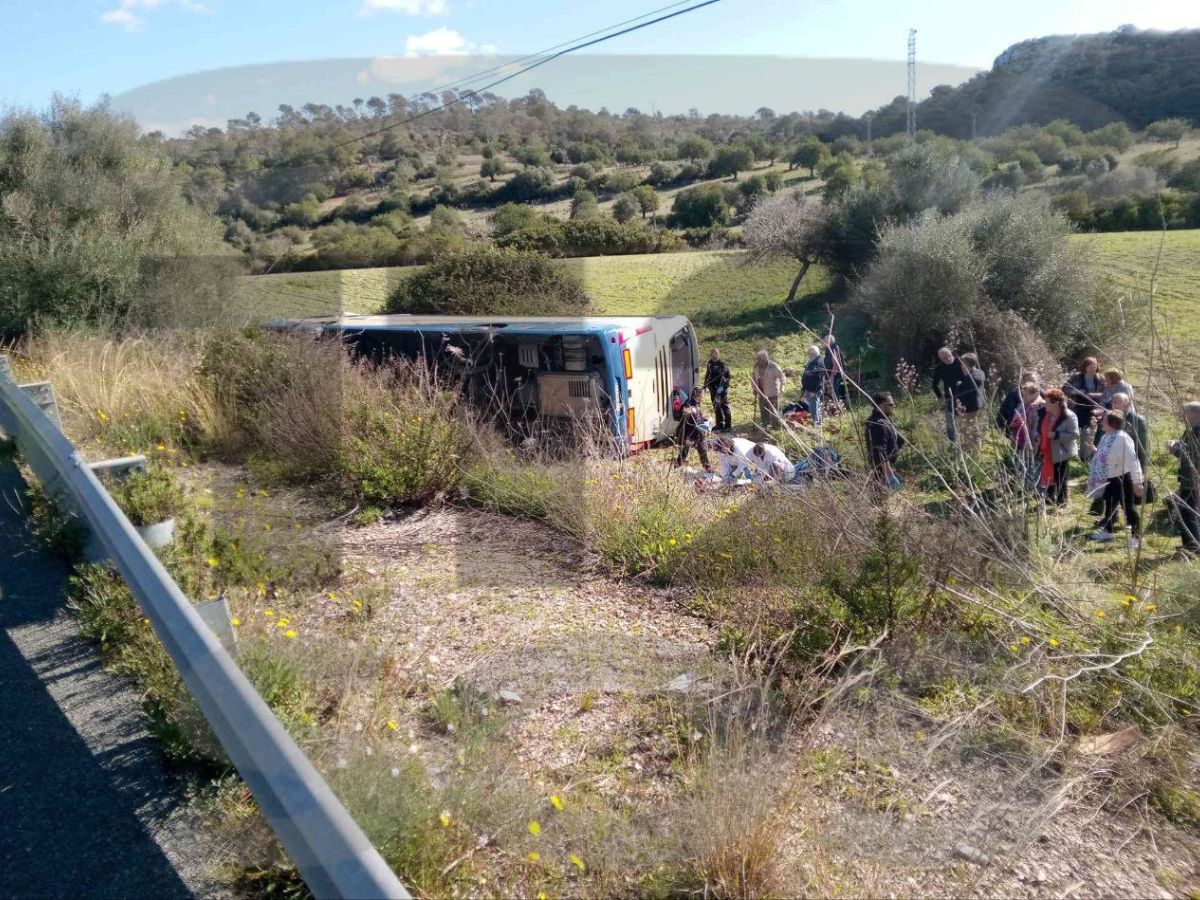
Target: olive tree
(95, 228)
(787, 226)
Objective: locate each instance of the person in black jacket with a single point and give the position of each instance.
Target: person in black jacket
(690, 434)
(717, 378)
(812, 382)
(884, 442)
(1085, 393)
(1012, 400)
(954, 384)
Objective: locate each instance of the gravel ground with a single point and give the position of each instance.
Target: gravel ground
(86, 805)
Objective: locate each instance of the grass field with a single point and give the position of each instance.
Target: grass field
(1130, 259)
(738, 306)
(732, 304)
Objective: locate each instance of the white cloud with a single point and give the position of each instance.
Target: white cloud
(127, 16)
(442, 42)
(406, 7)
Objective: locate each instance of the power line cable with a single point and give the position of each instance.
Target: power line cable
(574, 47)
(456, 85)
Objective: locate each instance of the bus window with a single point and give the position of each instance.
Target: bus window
(682, 370)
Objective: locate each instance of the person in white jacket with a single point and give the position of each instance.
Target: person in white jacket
(1116, 478)
(733, 455)
(771, 463)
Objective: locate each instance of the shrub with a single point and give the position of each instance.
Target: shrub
(700, 207)
(956, 274)
(96, 229)
(527, 185)
(403, 440)
(490, 281)
(148, 496)
(592, 237)
(278, 397)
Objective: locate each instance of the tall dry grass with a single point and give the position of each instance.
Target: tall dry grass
(126, 393)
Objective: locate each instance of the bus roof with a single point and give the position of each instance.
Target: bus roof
(514, 324)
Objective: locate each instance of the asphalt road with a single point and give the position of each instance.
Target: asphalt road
(87, 809)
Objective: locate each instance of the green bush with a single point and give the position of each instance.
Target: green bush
(147, 497)
(701, 207)
(490, 281)
(590, 237)
(401, 446)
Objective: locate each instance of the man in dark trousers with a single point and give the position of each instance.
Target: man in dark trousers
(884, 442)
(690, 434)
(951, 382)
(717, 378)
(1185, 505)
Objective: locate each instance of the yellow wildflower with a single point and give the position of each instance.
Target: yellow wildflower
(1024, 639)
(1099, 614)
(920, 735)
(268, 613)
(160, 447)
(671, 542)
(576, 862)
(145, 621)
(332, 595)
(282, 623)
(534, 856)
(102, 415)
(1013, 647)
(1150, 607)
(535, 827)
(556, 802)
(235, 621)
(266, 526)
(391, 725)
(444, 818)
(213, 562)
(290, 633)
(1053, 642)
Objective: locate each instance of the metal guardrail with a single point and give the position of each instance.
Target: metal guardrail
(328, 848)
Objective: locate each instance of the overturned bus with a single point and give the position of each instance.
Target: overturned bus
(536, 373)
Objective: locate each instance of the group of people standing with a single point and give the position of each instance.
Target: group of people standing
(1091, 418)
(823, 372)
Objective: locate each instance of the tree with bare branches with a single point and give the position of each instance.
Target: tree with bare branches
(787, 226)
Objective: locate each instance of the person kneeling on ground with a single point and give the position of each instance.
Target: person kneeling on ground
(1116, 477)
(1185, 505)
(733, 456)
(884, 441)
(771, 463)
(690, 434)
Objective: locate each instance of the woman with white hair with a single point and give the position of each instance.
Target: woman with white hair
(767, 382)
(812, 382)
(1116, 478)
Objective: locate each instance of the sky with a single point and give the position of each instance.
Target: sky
(87, 48)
